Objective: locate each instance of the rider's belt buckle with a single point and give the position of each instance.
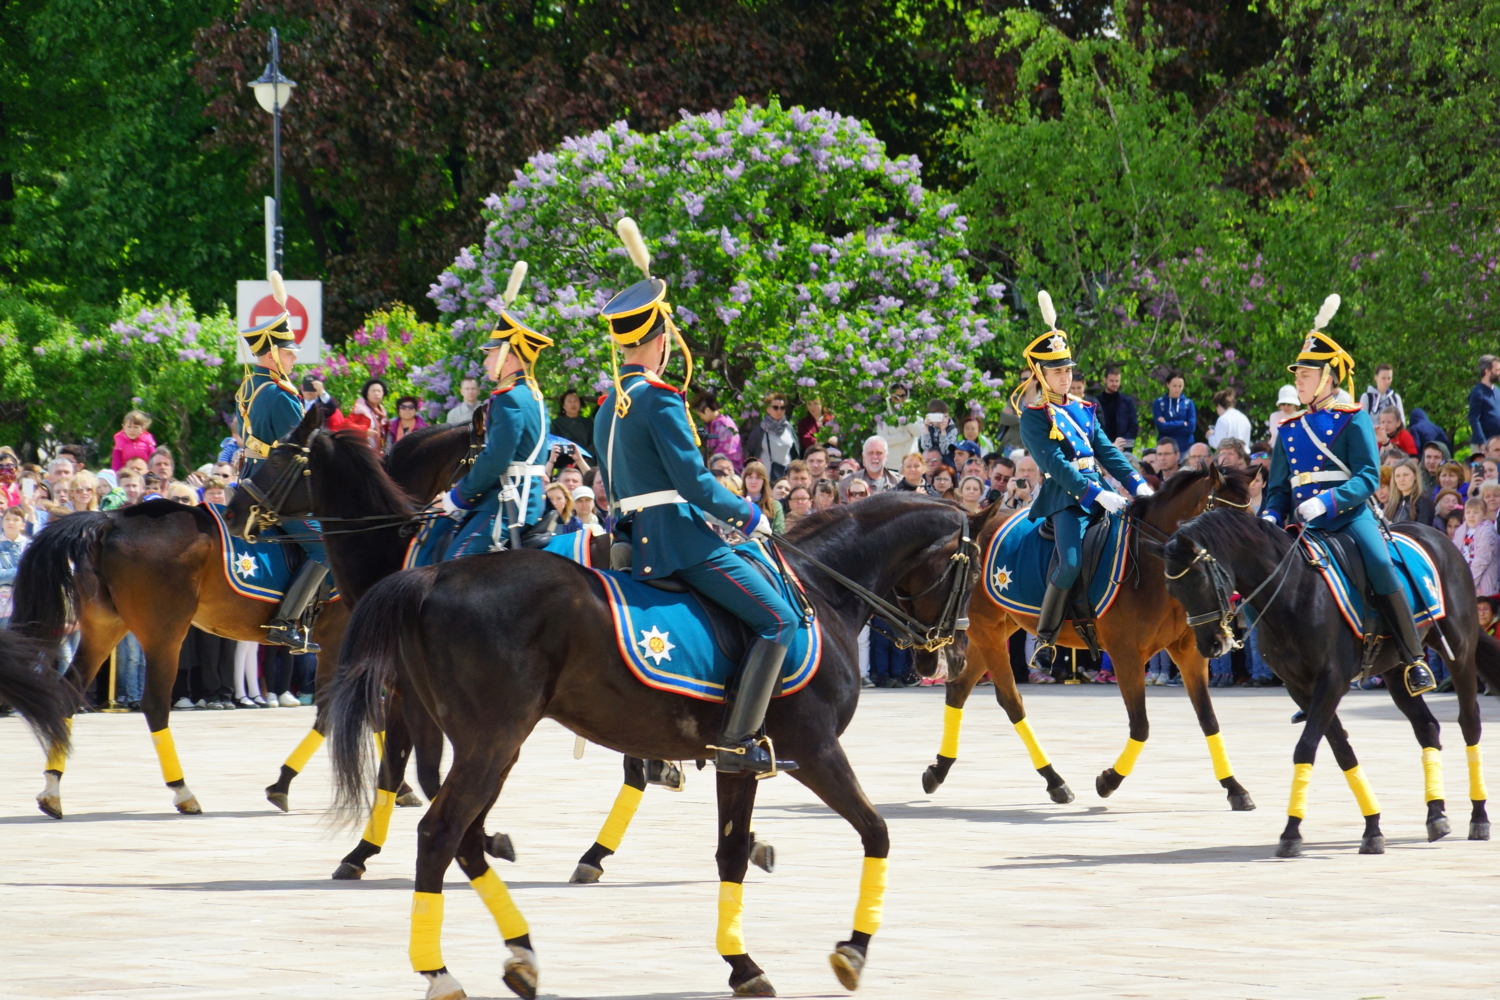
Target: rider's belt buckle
(1086, 462)
(1302, 479)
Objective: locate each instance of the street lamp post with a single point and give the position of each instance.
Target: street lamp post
(273, 91)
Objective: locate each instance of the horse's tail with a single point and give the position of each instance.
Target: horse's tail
(46, 584)
(371, 658)
(1487, 661)
(29, 685)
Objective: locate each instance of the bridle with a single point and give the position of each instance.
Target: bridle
(265, 512)
(1223, 584)
(905, 630)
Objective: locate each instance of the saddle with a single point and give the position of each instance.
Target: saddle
(731, 634)
(1080, 610)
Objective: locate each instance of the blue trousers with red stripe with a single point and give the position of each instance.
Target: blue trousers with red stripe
(727, 580)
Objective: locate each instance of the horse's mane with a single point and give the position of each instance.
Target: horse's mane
(413, 448)
(1213, 528)
(820, 520)
(355, 471)
(1235, 486)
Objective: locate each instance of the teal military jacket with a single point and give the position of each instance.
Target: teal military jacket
(653, 453)
(1070, 467)
(270, 407)
(516, 425)
(1300, 470)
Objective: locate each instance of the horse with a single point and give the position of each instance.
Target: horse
(1142, 620)
(1305, 641)
(155, 568)
(488, 660)
(30, 686)
(369, 517)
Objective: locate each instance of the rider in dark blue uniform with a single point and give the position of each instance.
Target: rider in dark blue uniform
(505, 490)
(269, 407)
(1326, 467)
(659, 489)
(1063, 435)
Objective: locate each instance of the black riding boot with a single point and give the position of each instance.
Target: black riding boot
(286, 628)
(1048, 622)
(739, 748)
(1397, 612)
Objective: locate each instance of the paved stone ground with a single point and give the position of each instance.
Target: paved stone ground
(1160, 892)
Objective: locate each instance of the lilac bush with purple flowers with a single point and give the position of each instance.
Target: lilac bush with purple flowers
(799, 256)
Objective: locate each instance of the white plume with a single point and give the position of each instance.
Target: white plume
(1049, 314)
(630, 235)
(517, 275)
(278, 288)
(1326, 314)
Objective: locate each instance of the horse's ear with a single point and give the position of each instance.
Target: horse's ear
(1215, 475)
(314, 419)
(477, 420)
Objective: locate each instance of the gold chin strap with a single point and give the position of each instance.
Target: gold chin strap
(622, 398)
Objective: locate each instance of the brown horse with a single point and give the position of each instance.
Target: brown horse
(1142, 620)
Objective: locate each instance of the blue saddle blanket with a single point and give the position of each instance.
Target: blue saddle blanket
(259, 571)
(1414, 568)
(1015, 568)
(666, 640)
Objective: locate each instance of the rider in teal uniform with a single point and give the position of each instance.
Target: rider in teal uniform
(1062, 433)
(505, 490)
(659, 489)
(1326, 467)
(269, 408)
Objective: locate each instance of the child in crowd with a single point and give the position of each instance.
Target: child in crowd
(132, 440)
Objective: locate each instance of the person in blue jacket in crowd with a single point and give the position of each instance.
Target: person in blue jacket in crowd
(660, 489)
(1325, 467)
(1174, 415)
(1062, 433)
(504, 491)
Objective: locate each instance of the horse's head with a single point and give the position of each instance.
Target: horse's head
(280, 485)
(1193, 491)
(1204, 586)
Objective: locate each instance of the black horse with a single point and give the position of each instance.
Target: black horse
(493, 644)
(1306, 642)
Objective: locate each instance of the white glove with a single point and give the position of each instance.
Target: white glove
(1144, 490)
(762, 528)
(450, 508)
(1111, 501)
(1311, 510)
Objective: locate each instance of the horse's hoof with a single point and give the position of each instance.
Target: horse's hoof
(1289, 848)
(442, 986)
(52, 806)
(498, 845)
(1438, 828)
(277, 798)
(760, 986)
(763, 856)
(1107, 782)
(348, 871)
(1241, 803)
(521, 972)
(586, 875)
(1062, 794)
(848, 962)
(930, 780)
(1372, 845)
(1479, 831)
(186, 802)
(408, 799)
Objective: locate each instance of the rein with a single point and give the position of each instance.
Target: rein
(906, 631)
(1223, 582)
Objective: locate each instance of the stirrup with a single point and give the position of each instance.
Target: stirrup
(1042, 646)
(1418, 678)
(760, 758)
(289, 633)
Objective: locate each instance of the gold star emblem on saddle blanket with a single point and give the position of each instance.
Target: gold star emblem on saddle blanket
(656, 645)
(1001, 578)
(244, 565)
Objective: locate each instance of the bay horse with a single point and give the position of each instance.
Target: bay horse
(1305, 641)
(155, 568)
(1142, 620)
(369, 517)
(33, 689)
(489, 660)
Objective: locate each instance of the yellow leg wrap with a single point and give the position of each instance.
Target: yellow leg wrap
(730, 937)
(618, 820)
(426, 949)
(379, 745)
(1363, 794)
(1301, 778)
(953, 720)
(1432, 773)
(1033, 746)
(309, 746)
(1128, 757)
(1476, 774)
(1220, 757)
(166, 753)
(378, 826)
(57, 760)
(497, 900)
(871, 905)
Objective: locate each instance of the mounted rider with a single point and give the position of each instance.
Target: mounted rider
(1326, 465)
(659, 489)
(1062, 433)
(270, 406)
(504, 491)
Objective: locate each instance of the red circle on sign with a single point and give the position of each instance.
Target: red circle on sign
(267, 309)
